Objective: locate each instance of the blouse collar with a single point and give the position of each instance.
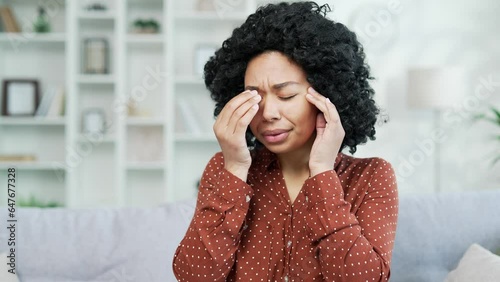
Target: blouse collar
(269, 160)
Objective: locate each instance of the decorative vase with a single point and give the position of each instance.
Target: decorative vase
(41, 24)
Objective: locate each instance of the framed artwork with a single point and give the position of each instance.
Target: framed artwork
(95, 56)
(20, 97)
(93, 121)
(203, 52)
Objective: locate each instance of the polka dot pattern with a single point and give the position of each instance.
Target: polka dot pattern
(341, 226)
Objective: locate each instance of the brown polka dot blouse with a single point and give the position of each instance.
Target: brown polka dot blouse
(341, 226)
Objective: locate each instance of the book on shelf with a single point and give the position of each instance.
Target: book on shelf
(17, 158)
(8, 20)
(44, 105)
(203, 110)
(189, 122)
(52, 104)
(57, 106)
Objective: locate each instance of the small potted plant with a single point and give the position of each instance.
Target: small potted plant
(138, 25)
(41, 24)
(146, 26)
(151, 26)
(35, 203)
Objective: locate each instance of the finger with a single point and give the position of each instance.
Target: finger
(221, 123)
(235, 124)
(245, 120)
(232, 105)
(333, 114)
(317, 100)
(324, 105)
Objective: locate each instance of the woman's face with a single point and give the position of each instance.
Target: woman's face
(285, 121)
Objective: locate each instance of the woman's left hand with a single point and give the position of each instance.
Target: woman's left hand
(329, 134)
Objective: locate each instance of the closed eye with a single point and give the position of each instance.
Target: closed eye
(288, 97)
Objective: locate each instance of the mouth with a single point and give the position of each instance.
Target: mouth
(275, 136)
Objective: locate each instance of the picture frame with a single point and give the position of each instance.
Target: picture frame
(203, 52)
(20, 97)
(95, 55)
(93, 121)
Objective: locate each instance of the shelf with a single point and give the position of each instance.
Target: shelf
(186, 137)
(142, 2)
(102, 15)
(189, 80)
(144, 38)
(209, 16)
(33, 37)
(31, 121)
(145, 121)
(96, 79)
(105, 140)
(145, 165)
(32, 165)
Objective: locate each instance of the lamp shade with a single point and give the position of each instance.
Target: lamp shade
(436, 88)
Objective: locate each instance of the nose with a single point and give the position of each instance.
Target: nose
(270, 108)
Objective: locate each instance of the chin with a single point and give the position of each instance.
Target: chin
(279, 148)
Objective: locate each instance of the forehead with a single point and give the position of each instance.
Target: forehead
(273, 67)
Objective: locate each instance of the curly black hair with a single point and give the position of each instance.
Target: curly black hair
(328, 52)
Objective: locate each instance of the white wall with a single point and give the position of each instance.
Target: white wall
(431, 33)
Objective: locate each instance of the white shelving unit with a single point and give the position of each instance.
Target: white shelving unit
(42, 57)
(144, 159)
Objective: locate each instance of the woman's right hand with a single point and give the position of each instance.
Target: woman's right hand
(230, 128)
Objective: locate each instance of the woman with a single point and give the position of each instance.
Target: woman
(281, 202)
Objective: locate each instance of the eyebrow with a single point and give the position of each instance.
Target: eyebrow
(276, 86)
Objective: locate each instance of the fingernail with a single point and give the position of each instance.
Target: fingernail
(328, 100)
(254, 92)
(313, 90)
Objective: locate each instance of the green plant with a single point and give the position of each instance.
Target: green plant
(139, 23)
(33, 202)
(150, 25)
(492, 116)
(41, 23)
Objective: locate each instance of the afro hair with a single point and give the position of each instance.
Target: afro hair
(328, 52)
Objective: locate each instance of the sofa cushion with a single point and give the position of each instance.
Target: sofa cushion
(98, 244)
(478, 264)
(434, 231)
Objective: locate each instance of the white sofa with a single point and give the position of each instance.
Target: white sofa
(137, 244)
